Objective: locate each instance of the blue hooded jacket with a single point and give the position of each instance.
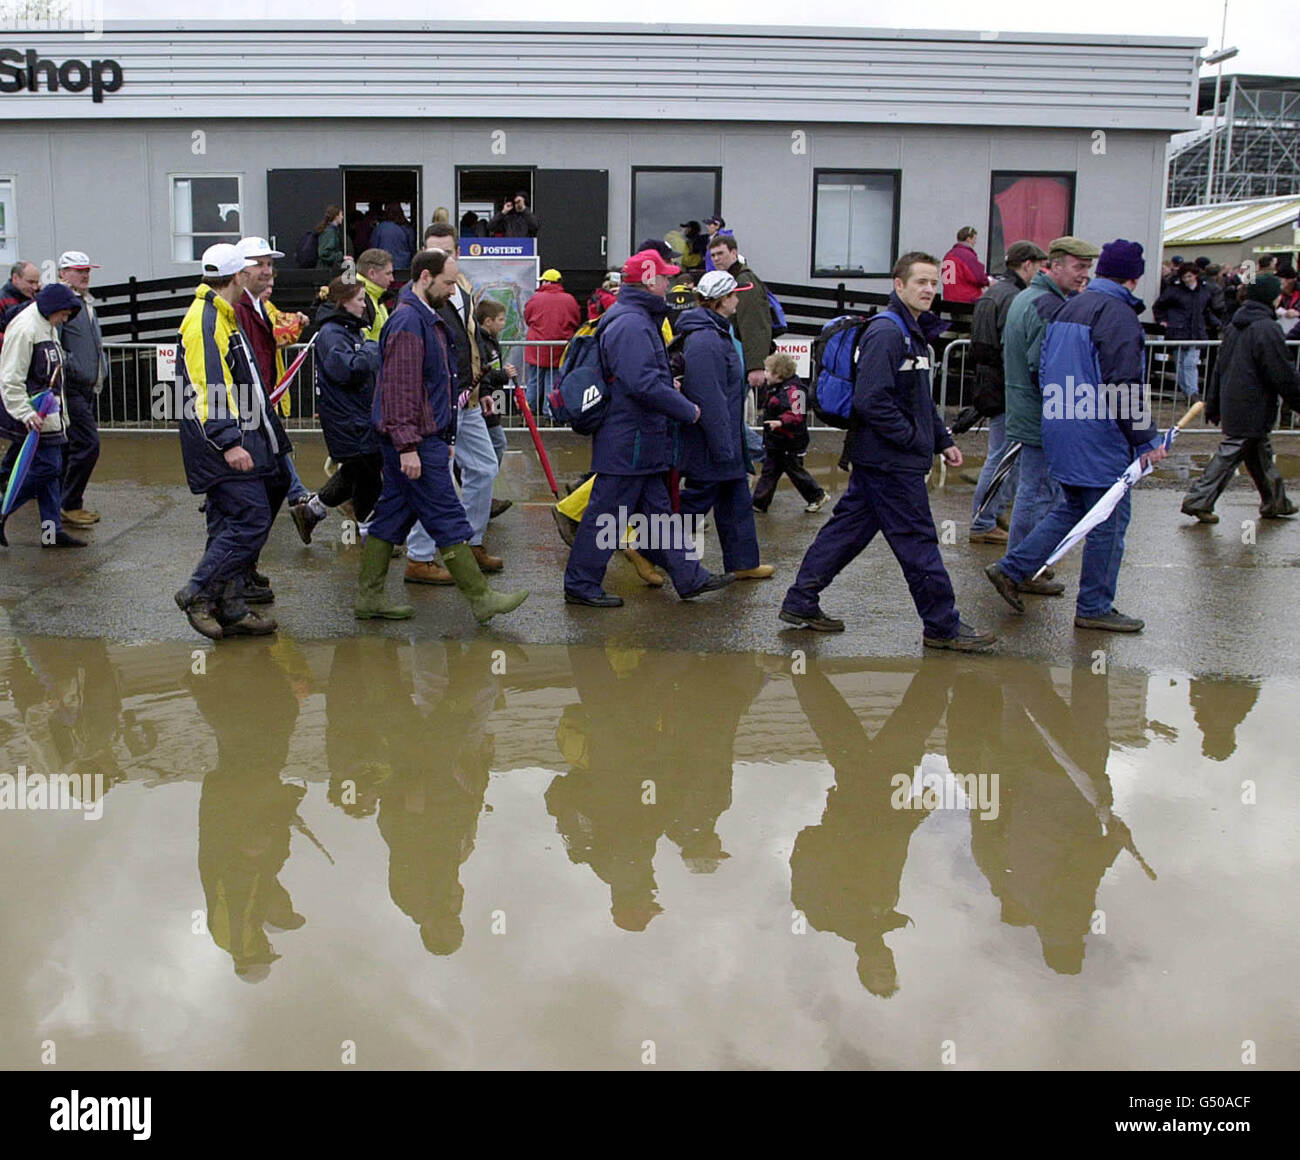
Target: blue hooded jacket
(895, 424)
(1096, 404)
(637, 436)
(346, 364)
(714, 379)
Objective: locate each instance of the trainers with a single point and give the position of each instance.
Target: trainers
(1205, 517)
(993, 535)
(817, 504)
(250, 624)
(1112, 622)
(967, 639)
(304, 519)
(427, 572)
(1041, 587)
(712, 584)
(818, 621)
(1005, 585)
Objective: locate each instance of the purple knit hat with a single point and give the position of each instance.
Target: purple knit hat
(1121, 259)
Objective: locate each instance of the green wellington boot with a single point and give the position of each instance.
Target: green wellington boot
(372, 603)
(484, 601)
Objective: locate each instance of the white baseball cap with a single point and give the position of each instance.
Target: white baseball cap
(223, 259)
(256, 248)
(75, 260)
(718, 284)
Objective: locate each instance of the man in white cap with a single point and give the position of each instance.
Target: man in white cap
(231, 447)
(85, 368)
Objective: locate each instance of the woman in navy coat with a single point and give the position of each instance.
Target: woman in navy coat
(712, 453)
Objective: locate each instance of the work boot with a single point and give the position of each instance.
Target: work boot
(644, 568)
(567, 528)
(604, 600)
(199, 611)
(486, 562)
(255, 593)
(818, 621)
(967, 639)
(305, 518)
(712, 584)
(1005, 585)
(1041, 587)
(485, 602)
(64, 539)
(80, 518)
(426, 572)
(250, 624)
(761, 572)
(372, 602)
(1278, 511)
(993, 535)
(1112, 622)
(500, 507)
(1205, 517)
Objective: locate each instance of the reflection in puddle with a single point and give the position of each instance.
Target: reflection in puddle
(319, 771)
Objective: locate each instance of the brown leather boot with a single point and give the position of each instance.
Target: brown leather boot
(486, 562)
(418, 572)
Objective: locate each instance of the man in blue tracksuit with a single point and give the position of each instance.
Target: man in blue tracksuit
(1096, 418)
(895, 432)
(633, 448)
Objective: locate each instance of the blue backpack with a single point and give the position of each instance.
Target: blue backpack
(835, 352)
(580, 396)
(777, 313)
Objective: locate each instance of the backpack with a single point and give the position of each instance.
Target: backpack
(779, 322)
(307, 250)
(835, 351)
(580, 396)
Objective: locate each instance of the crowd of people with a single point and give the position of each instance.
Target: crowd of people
(406, 392)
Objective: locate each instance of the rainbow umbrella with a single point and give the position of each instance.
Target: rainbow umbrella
(44, 404)
(277, 392)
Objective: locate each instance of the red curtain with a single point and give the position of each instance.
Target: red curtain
(1035, 209)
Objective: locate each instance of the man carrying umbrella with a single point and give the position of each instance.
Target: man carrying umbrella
(1096, 418)
(31, 362)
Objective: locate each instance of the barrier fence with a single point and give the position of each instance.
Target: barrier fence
(141, 394)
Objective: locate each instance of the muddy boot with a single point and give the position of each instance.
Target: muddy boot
(644, 568)
(372, 603)
(199, 611)
(483, 601)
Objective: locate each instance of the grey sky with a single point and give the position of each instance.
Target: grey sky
(1267, 33)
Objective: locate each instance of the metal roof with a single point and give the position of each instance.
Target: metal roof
(272, 69)
(1230, 221)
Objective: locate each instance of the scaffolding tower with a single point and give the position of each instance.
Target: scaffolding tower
(1256, 143)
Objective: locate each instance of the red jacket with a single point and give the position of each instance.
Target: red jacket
(261, 337)
(551, 313)
(963, 276)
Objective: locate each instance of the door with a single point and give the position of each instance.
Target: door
(295, 203)
(572, 207)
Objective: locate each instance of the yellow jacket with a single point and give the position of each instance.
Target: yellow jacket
(381, 312)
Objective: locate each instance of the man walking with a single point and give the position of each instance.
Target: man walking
(24, 281)
(988, 321)
(1253, 370)
(753, 319)
(375, 273)
(894, 435)
(631, 451)
(85, 368)
(1096, 416)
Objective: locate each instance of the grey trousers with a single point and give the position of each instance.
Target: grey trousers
(1258, 457)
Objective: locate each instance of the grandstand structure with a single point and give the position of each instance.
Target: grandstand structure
(1255, 143)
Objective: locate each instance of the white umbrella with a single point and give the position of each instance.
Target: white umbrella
(1101, 510)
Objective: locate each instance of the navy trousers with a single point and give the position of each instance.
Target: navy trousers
(733, 513)
(239, 520)
(431, 499)
(44, 482)
(895, 504)
(594, 544)
(82, 448)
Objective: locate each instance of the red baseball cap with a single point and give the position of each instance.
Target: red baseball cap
(645, 264)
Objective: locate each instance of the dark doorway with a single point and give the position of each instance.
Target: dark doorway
(482, 192)
(367, 195)
(295, 203)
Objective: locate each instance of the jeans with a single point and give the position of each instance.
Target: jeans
(1103, 550)
(478, 468)
(1188, 360)
(1036, 492)
(997, 448)
(540, 382)
(497, 434)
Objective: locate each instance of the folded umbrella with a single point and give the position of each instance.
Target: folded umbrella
(521, 401)
(1005, 464)
(43, 404)
(1101, 510)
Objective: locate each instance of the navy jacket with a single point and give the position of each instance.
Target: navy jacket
(1093, 352)
(1186, 312)
(638, 435)
(714, 380)
(895, 425)
(415, 394)
(346, 365)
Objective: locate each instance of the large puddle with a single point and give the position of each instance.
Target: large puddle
(469, 855)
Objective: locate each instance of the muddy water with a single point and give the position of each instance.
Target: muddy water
(450, 856)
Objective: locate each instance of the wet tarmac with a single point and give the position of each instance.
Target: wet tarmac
(582, 837)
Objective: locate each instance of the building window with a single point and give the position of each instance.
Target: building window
(206, 209)
(8, 223)
(855, 222)
(662, 199)
(1032, 207)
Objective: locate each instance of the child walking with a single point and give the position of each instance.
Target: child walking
(784, 406)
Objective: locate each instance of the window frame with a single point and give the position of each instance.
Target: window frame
(12, 178)
(172, 178)
(838, 170)
(990, 261)
(716, 170)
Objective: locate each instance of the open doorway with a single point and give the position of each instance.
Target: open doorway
(371, 194)
(481, 193)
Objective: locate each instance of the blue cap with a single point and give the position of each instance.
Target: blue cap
(55, 297)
